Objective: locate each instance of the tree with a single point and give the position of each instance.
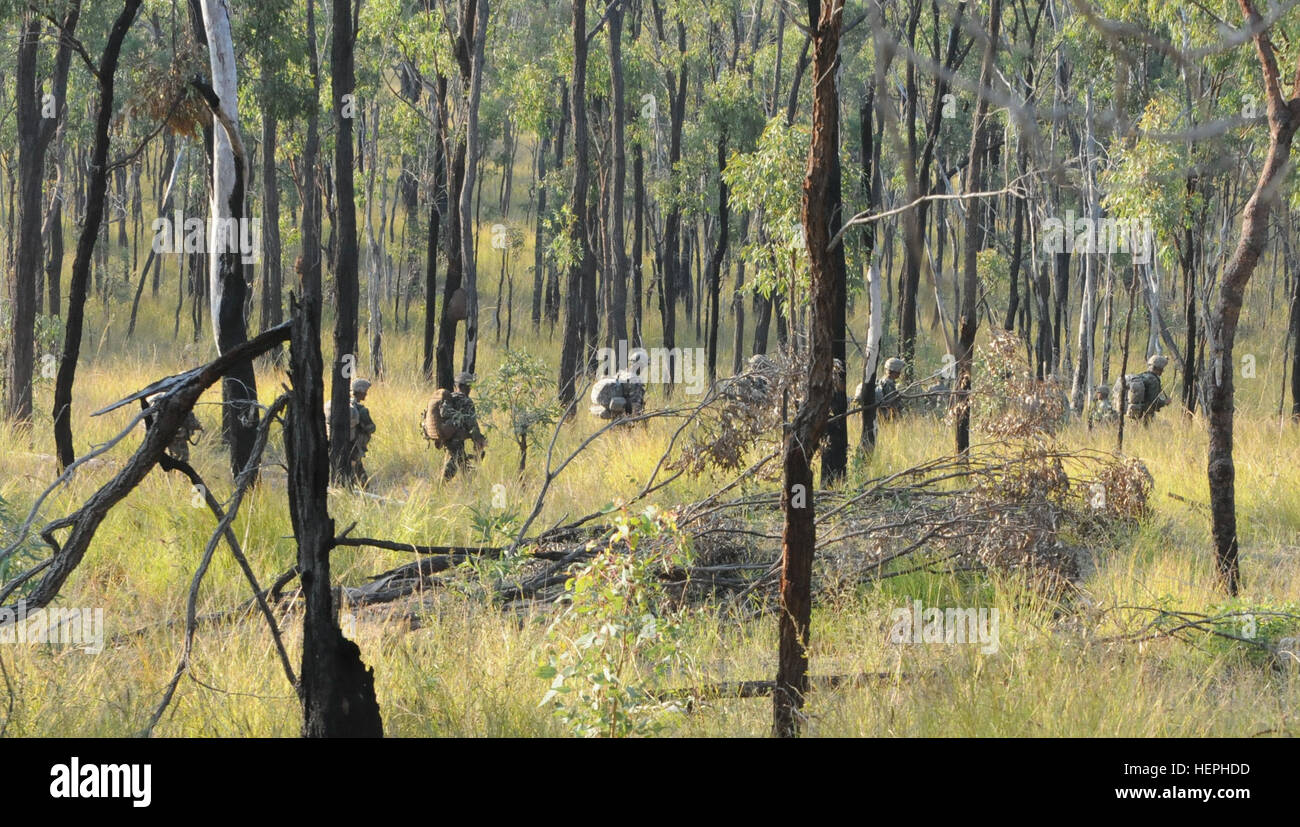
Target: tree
(799, 537)
(1283, 120)
(36, 128)
(227, 285)
(94, 214)
(584, 263)
(347, 286)
(974, 239)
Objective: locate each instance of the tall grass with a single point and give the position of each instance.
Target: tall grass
(450, 664)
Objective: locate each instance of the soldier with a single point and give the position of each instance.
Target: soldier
(1102, 413)
(618, 396)
(1145, 395)
(454, 421)
(361, 428)
(181, 442)
(889, 402)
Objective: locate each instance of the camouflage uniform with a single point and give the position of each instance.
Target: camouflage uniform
(360, 428)
(458, 409)
(180, 445)
(1152, 399)
(889, 402)
(1102, 413)
(618, 396)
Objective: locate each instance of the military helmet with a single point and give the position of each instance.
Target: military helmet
(895, 365)
(465, 378)
(1157, 362)
(360, 385)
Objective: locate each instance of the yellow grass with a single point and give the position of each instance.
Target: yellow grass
(469, 668)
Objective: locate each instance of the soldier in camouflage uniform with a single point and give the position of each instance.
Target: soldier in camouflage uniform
(361, 428)
(1101, 413)
(889, 402)
(1145, 395)
(458, 411)
(181, 442)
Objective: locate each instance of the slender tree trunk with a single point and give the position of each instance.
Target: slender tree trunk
(36, 129)
(436, 204)
(570, 355)
(94, 216)
(472, 164)
(973, 237)
(799, 537)
(347, 286)
(273, 274)
(1283, 118)
(539, 235)
(618, 110)
(719, 255)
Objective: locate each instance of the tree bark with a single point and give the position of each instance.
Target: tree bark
(227, 286)
(799, 536)
(574, 311)
(1283, 118)
(337, 690)
(79, 282)
(973, 237)
(35, 132)
(346, 280)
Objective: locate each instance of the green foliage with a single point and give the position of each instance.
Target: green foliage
(770, 180)
(613, 638)
(24, 555)
(1255, 629)
(522, 391)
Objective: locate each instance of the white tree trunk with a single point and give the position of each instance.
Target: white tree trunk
(227, 148)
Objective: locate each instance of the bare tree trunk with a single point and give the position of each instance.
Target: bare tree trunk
(973, 237)
(227, 287)
(94, 216)
(473, 153)
(799, 537)
(618, 109)
(347, 287)
(570, 355)
(337, 690)
(35, 132)
(1283, 118)
(273, 274)
(437, 200)
(719, 254)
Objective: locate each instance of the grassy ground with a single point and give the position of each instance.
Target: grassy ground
(470, 669)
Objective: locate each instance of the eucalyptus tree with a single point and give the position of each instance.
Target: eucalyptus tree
(38, 116)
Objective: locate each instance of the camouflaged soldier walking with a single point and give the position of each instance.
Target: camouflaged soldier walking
(449, 421)
(1145, 395)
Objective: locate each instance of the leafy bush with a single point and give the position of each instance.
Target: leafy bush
(614, 637)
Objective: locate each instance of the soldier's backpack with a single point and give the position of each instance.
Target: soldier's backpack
(1137, 391)
(443, 420)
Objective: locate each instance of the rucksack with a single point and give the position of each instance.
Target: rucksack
(1137, 391)
(447, 418)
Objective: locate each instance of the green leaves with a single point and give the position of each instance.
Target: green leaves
(614, 636)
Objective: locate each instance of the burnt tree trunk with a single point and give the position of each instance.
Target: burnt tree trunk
(585, 266)
(347, 286)
(79, 281)
(336, 688)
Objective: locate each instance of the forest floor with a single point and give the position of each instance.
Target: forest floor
(464, 667)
